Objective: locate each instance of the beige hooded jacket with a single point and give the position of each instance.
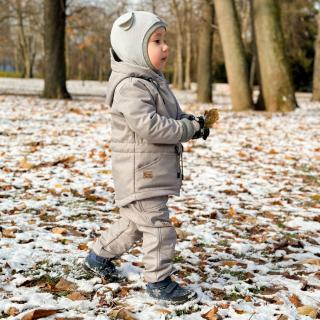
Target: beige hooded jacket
(147, 128)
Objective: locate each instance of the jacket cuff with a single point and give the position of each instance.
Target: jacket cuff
(189, 130)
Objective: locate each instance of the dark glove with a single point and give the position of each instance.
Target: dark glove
(202, 132)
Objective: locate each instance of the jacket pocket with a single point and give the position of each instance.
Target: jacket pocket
(159, 173)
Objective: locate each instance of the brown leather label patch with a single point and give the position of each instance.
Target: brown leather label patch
(147, 174)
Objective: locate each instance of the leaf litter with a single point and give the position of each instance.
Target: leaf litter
(248, 219)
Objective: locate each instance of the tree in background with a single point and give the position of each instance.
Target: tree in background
(178, 70)
(276, 82)
(316, 72)
(204, 62)
(54, 44)
(298, 19)
(234, 54)
(22, 19)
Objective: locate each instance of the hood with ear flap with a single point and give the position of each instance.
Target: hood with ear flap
(130, 34)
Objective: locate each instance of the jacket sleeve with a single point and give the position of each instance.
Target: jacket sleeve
(181, 114)
(134, 100)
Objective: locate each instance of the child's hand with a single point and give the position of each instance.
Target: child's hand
(203, 132)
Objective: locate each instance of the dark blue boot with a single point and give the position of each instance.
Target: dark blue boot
(101, 267)
(170, 291)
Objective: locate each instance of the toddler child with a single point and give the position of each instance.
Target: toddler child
(148, 127)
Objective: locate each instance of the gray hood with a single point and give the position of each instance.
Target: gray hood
(130, 34)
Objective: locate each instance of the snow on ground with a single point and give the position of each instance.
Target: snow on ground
(248, 219)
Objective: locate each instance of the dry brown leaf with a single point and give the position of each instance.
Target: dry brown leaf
(24, 164)
(76, 296)
(83, 246)
(229, 263)
(282, 317)
(182, 235)
(9, 233)
(175, 221)
(65, 285)
(232, 212)
(211, 117)
(211, 314)
(311, 261)
(164, 311)
(273, 151)
(124, 292)
(12, 311)
(123, 314)
(295, 300)
(59, 230)
(224, 305)
(39, 313)
(239, 311)
(308, 311)
(72, 318)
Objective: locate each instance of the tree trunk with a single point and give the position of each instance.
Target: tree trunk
(54, 44)
(204, 63)
(234, 53)
(188, 46)
(276, 81)
(179, 71)
(24, 44)
(316, 68)
(259, 105)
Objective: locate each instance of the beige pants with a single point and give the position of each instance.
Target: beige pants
(147, 219)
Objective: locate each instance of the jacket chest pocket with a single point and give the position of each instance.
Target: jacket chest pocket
(160, 172)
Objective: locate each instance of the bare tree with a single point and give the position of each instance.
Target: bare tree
(204, 61)
(179, 49)
(188, 42)
(234, 54)
(276, 81)
(316, 70)
(55, 66)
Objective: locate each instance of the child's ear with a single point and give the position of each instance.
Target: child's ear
(127, 21)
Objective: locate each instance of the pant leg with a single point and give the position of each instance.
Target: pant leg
(117, 239)
(159, 237)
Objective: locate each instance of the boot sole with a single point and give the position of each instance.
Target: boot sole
(178, 302)
(107, 278)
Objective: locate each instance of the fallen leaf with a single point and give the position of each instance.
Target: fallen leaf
(72, 318)
(229, 263)
(9, 233)
(83, 246)
(175, 221)
(124, 292)
(239, 311)
(211, 314)
(76, 296)
(231, 212)
(123, 314)
(273, 151)
(12, 311)
(308, 311)
(59, 230)
(282, 317)
(24, 164)
(39, 313)
(163, 311)
(311, 261)
(65, 285)
(295, 300)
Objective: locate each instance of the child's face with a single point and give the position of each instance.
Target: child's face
(158, 50)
